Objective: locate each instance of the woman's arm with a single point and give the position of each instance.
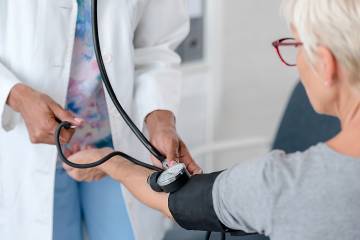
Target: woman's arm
(191, 207)
(133, 177)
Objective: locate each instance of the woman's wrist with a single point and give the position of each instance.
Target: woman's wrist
(110, 167)
(115, 167)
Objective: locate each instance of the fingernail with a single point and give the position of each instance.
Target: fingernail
(79, 120)
(171, 163)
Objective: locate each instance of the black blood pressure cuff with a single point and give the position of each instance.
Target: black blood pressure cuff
(192, 206)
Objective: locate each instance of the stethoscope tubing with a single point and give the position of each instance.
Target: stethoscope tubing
(106, 158)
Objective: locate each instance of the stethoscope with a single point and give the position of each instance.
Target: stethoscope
(169, 180)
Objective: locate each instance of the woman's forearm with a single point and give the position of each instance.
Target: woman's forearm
(134, 178)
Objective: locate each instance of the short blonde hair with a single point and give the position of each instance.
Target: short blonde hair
(331, 23)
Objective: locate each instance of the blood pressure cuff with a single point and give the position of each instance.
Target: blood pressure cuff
(192, 206)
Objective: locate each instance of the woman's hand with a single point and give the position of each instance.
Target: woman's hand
(162, 130)
(40, 114)
(87, 155)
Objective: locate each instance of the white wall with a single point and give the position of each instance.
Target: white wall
(233, 101)
(255, 84)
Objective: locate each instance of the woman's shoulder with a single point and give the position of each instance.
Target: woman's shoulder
(315, 164)
(318, 152)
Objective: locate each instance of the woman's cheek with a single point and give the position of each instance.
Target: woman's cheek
(301, 67)
(306, 77)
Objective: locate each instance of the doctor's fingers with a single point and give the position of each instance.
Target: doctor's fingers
(67, 116)
(186, 158)
(156, 162)
(65, 135)
(43, 135)
(64, 115)
(172, 150)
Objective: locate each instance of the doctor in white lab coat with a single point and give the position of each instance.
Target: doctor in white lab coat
(138, 39)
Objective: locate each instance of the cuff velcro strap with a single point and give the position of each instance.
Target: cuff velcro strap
(192, 206)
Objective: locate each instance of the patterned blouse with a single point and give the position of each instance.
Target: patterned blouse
(85, 96)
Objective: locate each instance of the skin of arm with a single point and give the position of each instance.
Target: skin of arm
(132, 176)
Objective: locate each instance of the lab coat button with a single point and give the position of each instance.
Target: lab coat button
(107, 58)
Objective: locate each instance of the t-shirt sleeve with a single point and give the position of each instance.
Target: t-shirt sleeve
(244, 196)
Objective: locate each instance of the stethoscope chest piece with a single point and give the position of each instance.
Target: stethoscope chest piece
(170, 180)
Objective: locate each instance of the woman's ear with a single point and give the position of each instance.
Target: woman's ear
(326, 66)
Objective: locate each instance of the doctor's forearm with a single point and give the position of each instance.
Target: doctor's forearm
(134, 178)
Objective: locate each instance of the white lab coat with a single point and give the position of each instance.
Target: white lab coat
(36, 43)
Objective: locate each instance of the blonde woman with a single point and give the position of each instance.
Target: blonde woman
(306, 195)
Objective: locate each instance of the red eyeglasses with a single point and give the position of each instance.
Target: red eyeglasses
(286, 49)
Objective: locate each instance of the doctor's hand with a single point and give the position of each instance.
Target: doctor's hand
(40, 114)
(163, 135)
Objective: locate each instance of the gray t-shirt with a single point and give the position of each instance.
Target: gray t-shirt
(311, 195)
